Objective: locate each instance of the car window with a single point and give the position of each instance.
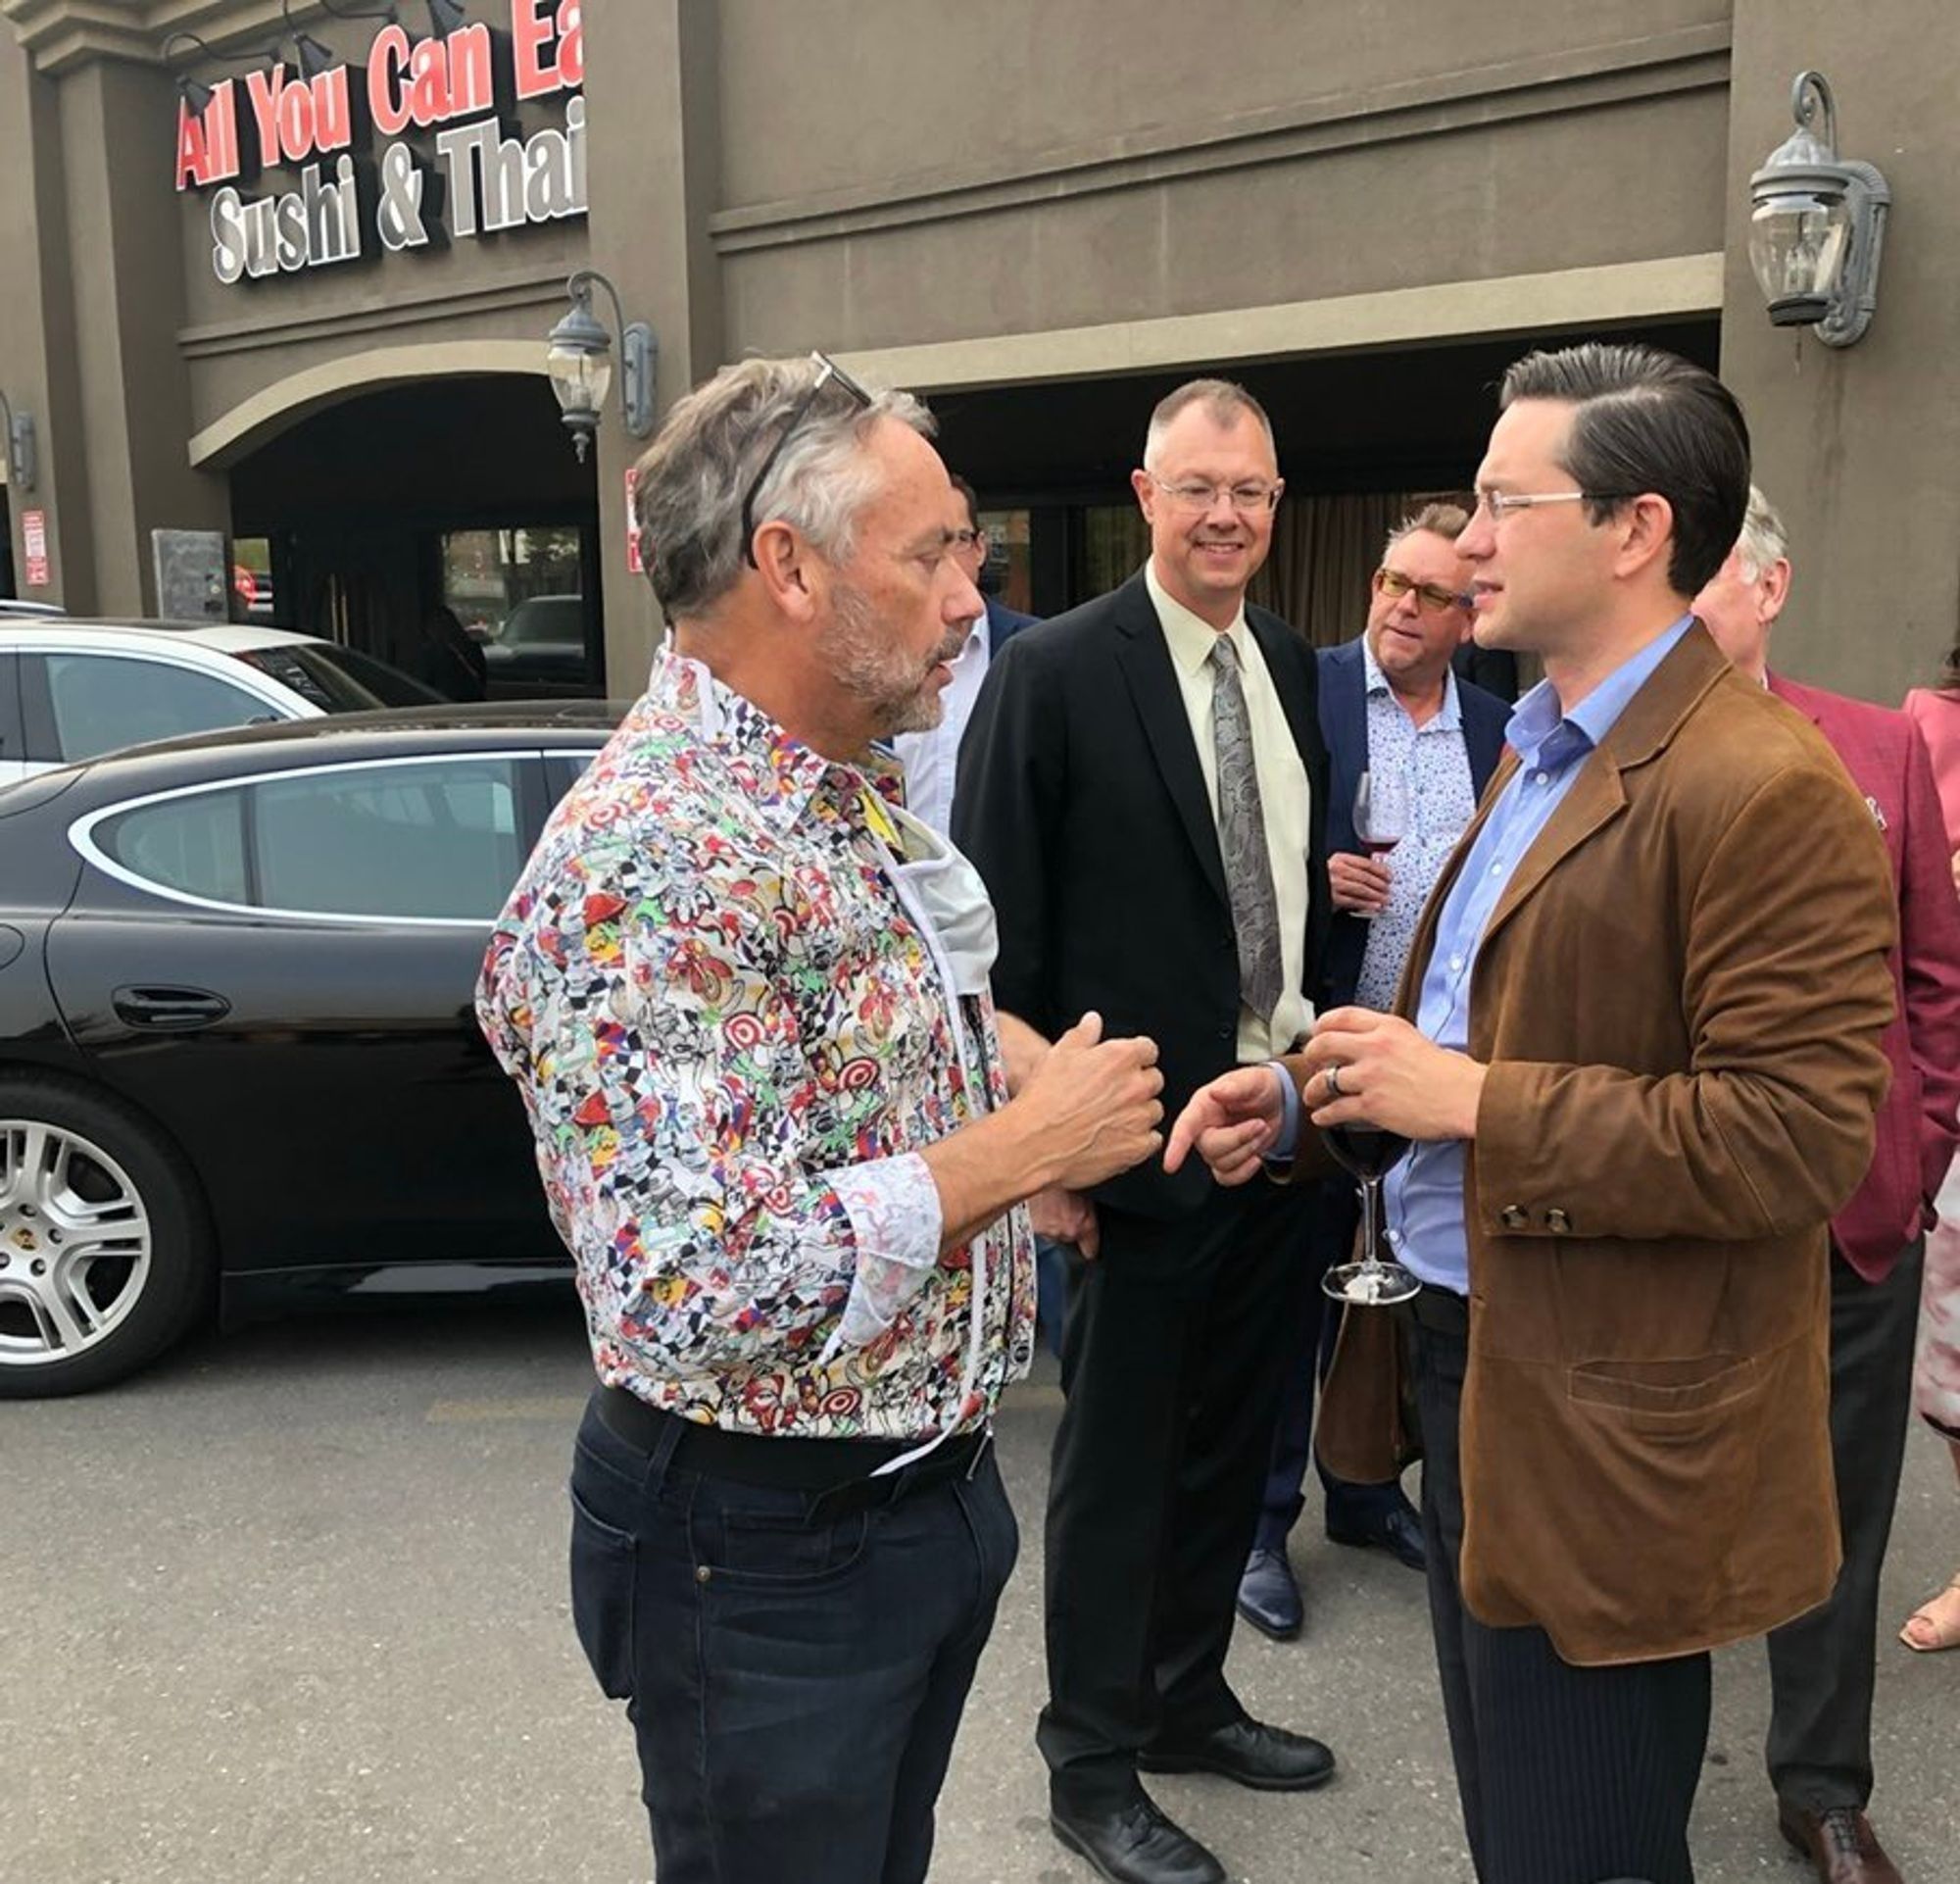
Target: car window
(544, 620)
(563, 770)
(100, 703)
(431, 839)
(195, 844)
(339, 679)
(13, 747)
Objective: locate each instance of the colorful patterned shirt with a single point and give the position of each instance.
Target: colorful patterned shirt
(733, 1033)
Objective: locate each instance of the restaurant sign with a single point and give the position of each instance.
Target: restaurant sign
(417, 145)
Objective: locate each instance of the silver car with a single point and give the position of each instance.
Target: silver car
(72, 690)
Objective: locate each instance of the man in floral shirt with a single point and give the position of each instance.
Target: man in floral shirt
(744, 995)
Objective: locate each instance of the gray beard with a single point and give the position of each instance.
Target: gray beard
(898, 697)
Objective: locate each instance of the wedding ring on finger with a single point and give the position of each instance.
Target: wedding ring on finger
(1334, 1082)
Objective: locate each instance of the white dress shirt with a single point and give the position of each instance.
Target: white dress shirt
(930, 758)
(1285, 797)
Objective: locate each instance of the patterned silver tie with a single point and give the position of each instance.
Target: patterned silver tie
(1241, 838)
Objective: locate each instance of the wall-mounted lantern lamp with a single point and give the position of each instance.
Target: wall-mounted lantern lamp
(18, 431)
(314, 57)
(1819, 225)
(580, 364)
(195, 93)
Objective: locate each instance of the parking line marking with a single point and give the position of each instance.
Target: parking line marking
(456, 1412)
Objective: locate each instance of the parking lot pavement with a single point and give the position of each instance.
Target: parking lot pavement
(292, 1606)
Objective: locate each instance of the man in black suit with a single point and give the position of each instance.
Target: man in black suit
(1391, 705)
(1141, 786)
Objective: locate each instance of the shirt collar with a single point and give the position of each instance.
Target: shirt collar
(780, 773)
(1448, 718)
(1191, 637)
(1538, 716)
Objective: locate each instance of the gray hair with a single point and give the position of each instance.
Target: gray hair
(1222, 399)
(1764, 542)
(1433, 520)
(692, 476)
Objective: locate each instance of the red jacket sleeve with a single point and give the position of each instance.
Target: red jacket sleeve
(1930, 959)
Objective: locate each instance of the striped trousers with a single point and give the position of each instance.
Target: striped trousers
(1567, 1775)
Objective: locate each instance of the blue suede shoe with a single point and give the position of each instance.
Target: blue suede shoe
(1268, 1596)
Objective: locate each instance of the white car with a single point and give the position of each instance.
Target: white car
(72, 690)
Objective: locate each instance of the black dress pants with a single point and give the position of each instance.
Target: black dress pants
(1822, 1665)
(1567, 1775)
(1177, 1337)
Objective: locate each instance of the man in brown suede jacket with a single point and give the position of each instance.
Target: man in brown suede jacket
(1636, 1051)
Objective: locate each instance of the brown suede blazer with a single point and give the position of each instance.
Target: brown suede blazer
(1680, 998)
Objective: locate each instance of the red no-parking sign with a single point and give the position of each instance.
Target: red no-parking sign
(35, 541)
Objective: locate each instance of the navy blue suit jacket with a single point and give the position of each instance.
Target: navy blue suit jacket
(1002, 624)
(1344, 728)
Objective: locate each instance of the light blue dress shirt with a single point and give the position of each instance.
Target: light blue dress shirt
(1423, 1194)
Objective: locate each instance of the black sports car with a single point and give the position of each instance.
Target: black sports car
(237, 1049)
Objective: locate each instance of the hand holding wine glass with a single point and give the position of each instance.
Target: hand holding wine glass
(1374, 1085)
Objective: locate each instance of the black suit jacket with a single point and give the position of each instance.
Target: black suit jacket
(1344, 725)
(1081, 801)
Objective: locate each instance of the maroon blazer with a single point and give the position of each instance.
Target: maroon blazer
(1887, 761)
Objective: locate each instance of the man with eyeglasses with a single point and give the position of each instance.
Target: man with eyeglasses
(1392, 707)
(1821, 1668)
(744, 995)
(1636, 1055)
(1142, 788)
(930, 755)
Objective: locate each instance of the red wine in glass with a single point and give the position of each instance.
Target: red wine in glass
(1381, 814)
(1368, 1151)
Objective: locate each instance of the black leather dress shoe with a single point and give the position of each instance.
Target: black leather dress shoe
(1270, 1760)
(1398, 1530)
(1268, 1596)
(1136, 1844)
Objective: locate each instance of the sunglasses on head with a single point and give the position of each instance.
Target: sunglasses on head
(830, 374)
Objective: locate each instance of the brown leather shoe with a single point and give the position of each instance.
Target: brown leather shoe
(1839, 1844)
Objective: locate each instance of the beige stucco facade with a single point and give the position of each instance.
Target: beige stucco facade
(963, 198)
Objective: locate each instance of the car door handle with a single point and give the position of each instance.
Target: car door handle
(168, 1009)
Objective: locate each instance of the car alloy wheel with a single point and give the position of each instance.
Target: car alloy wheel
(75, 1242)
(104, 1256)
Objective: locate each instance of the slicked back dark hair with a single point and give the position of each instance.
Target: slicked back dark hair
(1648, 421)
(970, 496)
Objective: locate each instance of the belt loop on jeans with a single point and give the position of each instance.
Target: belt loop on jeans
(659, 1459)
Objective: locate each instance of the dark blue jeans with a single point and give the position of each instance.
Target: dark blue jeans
(795, 1683)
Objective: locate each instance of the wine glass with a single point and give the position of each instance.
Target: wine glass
(1368, 1151)
(1380, 814)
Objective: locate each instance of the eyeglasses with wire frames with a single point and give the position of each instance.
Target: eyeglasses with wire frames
(830, 374)
(1431, 598)
(1248, 498)
(1499, 505)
